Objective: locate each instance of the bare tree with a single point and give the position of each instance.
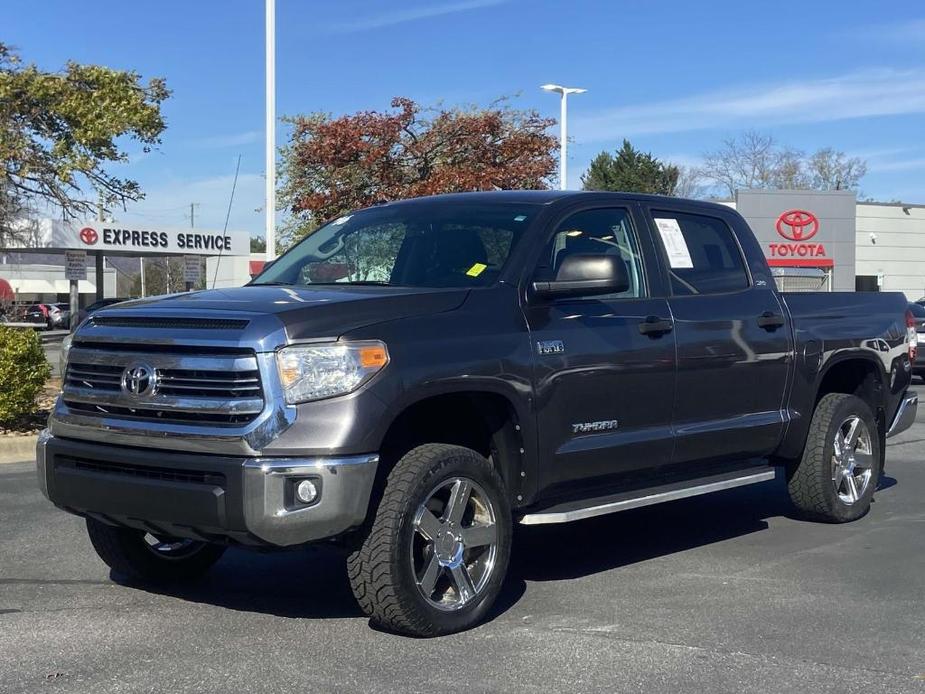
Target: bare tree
(690, 183)
(756, 160)
(747, 161)
(14, 229)
(829, 169)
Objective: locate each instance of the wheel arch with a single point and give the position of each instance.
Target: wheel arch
(853, 373)
(485, 420)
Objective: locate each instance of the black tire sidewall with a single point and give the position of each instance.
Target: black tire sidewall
(848, 406)
(124, 550)
(457, 462)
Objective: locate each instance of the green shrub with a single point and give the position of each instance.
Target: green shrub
(23, 372)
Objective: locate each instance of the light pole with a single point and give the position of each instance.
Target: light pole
(270, 65)
(563, 127)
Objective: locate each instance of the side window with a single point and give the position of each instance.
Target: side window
(606, 231)
(703, 255)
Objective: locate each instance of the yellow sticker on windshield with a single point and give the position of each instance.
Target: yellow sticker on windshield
(476, 270)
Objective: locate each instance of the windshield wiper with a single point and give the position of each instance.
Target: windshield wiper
(272, 284)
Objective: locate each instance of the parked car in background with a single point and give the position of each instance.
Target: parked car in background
(44, 316)
(918, 315)
(62, 318)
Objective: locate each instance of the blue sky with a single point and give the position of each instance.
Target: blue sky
(674, 77)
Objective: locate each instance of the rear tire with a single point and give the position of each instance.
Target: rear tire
(834, 481)
(434, 559)
(139, 556)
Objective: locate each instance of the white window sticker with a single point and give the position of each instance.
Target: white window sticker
(675, 245)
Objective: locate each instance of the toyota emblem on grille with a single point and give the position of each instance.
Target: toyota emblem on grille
(139, 380)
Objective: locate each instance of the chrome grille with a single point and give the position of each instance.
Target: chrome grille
(221, 388)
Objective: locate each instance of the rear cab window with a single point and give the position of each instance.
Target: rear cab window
(701, 252)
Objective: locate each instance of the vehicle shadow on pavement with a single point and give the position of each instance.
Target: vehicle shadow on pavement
(305, 583)
(309, 583)
(601, 544)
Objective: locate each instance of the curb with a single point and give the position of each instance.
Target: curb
(18, 449)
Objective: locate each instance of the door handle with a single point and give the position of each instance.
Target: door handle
(770, 321)
(655, 326)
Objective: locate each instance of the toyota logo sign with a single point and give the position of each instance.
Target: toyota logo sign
(797, 225)
(89, 236)
(139, 380)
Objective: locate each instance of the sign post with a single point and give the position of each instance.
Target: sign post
(75, 269)
(191, 270)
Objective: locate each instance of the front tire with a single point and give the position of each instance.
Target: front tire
(434, 559)
(140, 556)
(835, 479)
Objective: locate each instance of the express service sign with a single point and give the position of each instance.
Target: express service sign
(797, 228)
(115, 237)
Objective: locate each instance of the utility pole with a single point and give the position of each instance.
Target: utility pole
(192, 225)
(192, 214)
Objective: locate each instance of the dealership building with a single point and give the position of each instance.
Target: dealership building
(828, 241)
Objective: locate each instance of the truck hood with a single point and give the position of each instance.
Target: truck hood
(309, 312)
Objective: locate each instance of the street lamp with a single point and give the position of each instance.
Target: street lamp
(270, 102)
(563, 128)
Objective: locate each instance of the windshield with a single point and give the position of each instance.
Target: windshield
(412, 245)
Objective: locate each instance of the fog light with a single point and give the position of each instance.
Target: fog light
(306, 492)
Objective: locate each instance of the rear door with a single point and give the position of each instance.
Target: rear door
(604, 380)
(734, 345)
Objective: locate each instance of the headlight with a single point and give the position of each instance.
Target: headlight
(311, 372)
(66, 348)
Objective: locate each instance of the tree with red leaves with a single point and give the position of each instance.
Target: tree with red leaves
(334, 165)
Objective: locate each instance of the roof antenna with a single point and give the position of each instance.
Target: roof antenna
(234, 185)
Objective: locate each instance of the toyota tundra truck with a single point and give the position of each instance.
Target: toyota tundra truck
(413, 379)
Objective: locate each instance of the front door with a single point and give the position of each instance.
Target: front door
(605, 365)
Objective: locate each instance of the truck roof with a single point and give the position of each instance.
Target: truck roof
(546, 197)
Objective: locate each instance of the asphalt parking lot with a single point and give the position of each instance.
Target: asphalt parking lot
(726, 593)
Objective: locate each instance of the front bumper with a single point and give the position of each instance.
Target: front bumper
(905, 415)
(205, 497)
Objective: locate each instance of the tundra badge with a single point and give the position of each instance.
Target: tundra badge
(550, 347)
(586, 427)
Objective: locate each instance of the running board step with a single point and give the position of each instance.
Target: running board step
(588, 508)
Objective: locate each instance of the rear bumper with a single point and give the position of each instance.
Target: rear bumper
(905, 415)
(215, 498)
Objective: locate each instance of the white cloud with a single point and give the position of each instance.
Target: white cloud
(168, 204)
(855, 95)
(410, 15)
(229, 140)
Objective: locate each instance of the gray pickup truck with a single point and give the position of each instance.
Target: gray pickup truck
(414, 379)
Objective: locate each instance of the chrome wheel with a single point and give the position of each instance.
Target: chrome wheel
(852, 460)
(454, 544)
(171, 547)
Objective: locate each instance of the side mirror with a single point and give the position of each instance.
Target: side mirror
(586, 275)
